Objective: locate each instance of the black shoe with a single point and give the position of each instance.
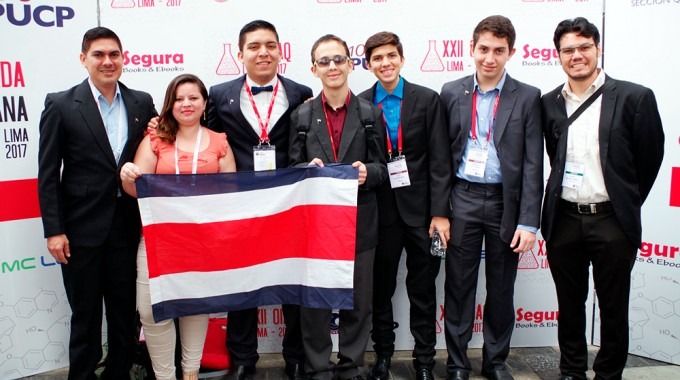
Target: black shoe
(497, 374)
(243, 372)
(381, 368)
(458, 375)
(424, 374)
(296, 372)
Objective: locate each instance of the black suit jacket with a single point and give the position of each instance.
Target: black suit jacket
(631, 150)
(354, 146)
(224, 115)
(425, 145)
(81, 201)
(517, 135)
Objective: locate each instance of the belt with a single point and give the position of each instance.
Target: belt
(587, 208)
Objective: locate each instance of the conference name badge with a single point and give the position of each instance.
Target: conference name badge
(573, 175)
(264, 157)
(398, 172)
(476, 162)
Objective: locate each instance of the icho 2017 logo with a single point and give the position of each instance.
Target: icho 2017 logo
(23, 13)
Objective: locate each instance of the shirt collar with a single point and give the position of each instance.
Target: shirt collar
(96, 93)
(498, 87)
(272, 82)
(597, 83)
(381, 93)
(328, 106)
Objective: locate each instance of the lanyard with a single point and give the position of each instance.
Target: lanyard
(474, 116)
(194, 164)
(328, 124)
(119, 131)
(400, 139)
(264, 136)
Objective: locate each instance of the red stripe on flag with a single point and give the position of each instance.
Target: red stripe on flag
(675, 187)
(19, 199)
(182, 247)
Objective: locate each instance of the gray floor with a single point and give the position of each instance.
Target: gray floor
(523, 363)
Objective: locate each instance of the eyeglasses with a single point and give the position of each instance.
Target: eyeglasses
(326, 61)
(583, 49)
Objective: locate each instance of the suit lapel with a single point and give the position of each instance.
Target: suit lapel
(90, 112)
(505, 107)
(349, 129)
(320, 125)
(466, 108)
(234, 107)
(135, 122)
(606, 118)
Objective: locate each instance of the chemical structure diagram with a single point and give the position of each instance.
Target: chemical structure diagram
(33, 333)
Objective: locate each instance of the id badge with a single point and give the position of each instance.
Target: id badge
(476, 162)
(573, 175)
(264, 157)
(398, 172)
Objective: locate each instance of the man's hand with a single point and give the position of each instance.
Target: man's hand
(362, 171)
(443, 226)
(316, 161)
(59, 248)
(522, 241)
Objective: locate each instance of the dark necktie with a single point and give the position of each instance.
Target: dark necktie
(256, 90)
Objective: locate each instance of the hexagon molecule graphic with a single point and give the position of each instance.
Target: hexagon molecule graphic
(33, 359)
(46, 300)
(54, 351)
(25, 307)
(637, 318)
(662, 307)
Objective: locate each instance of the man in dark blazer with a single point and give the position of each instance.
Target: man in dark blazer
(603, 167)
(92, 226)
(335, 130)
(254, 110)
(497, 150)
(411, 207)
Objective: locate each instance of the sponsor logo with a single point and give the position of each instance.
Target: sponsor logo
(675, 187)
(25, 13)
(536, 318)
(11, 74)
(29, 263)
(161, 62)
(539, 56)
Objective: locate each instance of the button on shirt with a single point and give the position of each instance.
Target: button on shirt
(485, 103)
(583, 145)
(115, 119)
(391, 107)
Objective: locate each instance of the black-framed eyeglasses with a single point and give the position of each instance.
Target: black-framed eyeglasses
(570, 50)
(326, 61)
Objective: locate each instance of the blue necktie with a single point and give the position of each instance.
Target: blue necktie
(256, 90)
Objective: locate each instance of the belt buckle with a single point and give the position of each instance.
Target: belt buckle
(587, 208)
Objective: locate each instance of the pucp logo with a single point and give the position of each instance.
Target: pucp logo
(43, 15)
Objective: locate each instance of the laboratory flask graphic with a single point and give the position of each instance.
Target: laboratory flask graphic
(432, 61)
(227, 65)
(122, 3)
(528, 260)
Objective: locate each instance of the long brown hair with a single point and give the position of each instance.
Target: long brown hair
(167, 124)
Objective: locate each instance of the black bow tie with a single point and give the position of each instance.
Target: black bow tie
(256, 90)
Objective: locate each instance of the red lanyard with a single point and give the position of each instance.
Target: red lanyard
(264, 136)
(474, 115)
(328, 123)
(400, 138)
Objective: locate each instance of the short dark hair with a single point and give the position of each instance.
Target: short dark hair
(98, 33)
(167, 124)
(253, 26)
(579, 25)
(327, 38)
(382, 38)
(500, 26)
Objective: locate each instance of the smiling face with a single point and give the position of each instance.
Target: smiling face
(104, 63)
(386, 64)
(260, 55)
(333, 76)
(579, 59)
(189, 104)
(490, 54)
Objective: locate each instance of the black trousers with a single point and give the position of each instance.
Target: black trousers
(106, 272)
(577, 242)
(420, 286)
(242, 337)
(477, 213)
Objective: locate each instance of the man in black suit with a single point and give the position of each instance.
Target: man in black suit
(336, 126)
(254, 111)
(497, 150)
(603, 167)
(92, 227)
(411, 206)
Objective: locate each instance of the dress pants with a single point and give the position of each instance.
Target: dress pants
(422, 270)
(161, 337)
(577, 242)
(353, 331)
(93, 273)
(477, 213)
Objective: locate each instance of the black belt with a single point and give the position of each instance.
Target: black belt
(587, 208)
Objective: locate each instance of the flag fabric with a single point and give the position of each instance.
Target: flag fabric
(233, 241)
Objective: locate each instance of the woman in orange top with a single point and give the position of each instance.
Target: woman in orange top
(179, 145)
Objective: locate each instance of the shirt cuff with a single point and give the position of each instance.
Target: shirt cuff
(527, 228)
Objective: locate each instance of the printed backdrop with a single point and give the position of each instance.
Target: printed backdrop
(40, 43)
